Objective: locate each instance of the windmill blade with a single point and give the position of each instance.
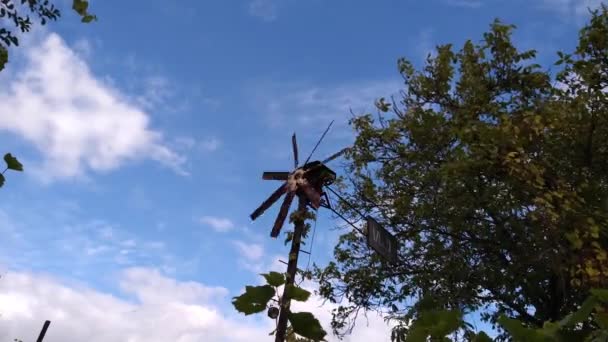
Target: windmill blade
(275, 175)
(278, 224)
(294, 144)
(319, 142)
(335, 155)
(269, 201)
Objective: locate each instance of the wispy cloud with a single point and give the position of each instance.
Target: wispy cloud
(252, 252)
(267, 10)
(424, 44)
(307, 105)
(251, 256)
(210, 144)
(157, 90)
(570, 8)
(465, 3)
(219, 224)
(33, 240)
(76, 122)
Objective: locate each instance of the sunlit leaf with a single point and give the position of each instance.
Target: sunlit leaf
(88, 18)
(274, 278)
(306, 325)
(12, 163)
(254, 300)
(80, 6)
(297, 293)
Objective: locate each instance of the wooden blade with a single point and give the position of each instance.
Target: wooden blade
(275, 175)
(278, 224)
(270, 201)
(335, 155)
(294, 144)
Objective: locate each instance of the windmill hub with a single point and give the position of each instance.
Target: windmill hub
(295, 180)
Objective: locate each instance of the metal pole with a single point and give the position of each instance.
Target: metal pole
(43, 332)
(292, 268)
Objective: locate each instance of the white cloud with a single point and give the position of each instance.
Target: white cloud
(163, 309)
(77, 122)
(250, 251)
(149, 286)
(219, 224)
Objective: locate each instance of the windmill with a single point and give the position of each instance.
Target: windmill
(306, 181)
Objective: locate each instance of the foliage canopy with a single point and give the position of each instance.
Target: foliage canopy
(492, 173)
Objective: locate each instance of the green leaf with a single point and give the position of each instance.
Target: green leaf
(80, 6)
(517, 331)
(88, 18)
(602, 320)
(297, 293)
(1, 180)
(288, 237)
(581, 314)
(417, 333)
(254, 299)
(306, 325)
(3, 57)
(274, 278)
(445, 323)
(550, 329)
(481, 337)
(601, 294)
(12, 163)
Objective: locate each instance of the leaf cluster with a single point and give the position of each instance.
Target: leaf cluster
(16, 14)
(491, 172)
(443, 325)
(11, 164)
(257, 298)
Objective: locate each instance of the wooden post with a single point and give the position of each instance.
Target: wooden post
(292, 267)
(43, 332)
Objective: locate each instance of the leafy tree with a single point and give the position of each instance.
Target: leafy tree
(16, 13)
(440, 324)
(492, 175)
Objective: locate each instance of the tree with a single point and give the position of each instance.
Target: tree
(12, 13)
(492, 175)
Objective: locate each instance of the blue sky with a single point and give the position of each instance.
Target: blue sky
(144, 136)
